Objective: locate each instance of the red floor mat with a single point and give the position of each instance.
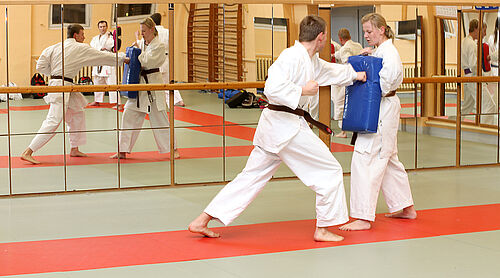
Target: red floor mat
(176, 246)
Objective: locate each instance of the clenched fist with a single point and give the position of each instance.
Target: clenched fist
(311, 88)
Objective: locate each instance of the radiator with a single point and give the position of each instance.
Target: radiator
(263, 63)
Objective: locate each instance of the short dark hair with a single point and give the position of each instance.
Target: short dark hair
(310, 27)
(102, 21)
(473, 25)
(344, 34)
(156, 17)
(74, 29)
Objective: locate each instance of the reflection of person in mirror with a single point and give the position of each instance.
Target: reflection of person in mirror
(375, 164)
(282, 136)
(76, 55)
(469, 65)
(349, 48)
(104, 75)
(493, 43)
(150, 103)
(163, 36)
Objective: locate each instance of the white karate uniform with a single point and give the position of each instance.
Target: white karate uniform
(107, 74)
(152, 56)
(76, 56)
(286, 137)
(350, 48)
(164, 69)
(469, 61)
(375, 164)
(493, 86)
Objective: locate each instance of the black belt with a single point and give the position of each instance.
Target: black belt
(467, 71)
(494, 66)
(60, 77)
(144, 73)
(302, 113)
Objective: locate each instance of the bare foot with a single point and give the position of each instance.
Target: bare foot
(180, 103)
(122, 155)
(200, 226)
(341, 135)
(356, 225)
(95, 103)
(26, 156)
(76, 153)
(406, 213)
(176, 154)
(322, 234)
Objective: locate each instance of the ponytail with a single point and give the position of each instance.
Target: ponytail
(388, 32)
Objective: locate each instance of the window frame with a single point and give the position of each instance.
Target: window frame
(88, 17)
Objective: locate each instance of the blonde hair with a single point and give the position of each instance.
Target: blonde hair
(148, 22)
(378, 21)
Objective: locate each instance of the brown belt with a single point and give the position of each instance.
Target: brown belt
(302, 113)
(60, 77)
(391, 94)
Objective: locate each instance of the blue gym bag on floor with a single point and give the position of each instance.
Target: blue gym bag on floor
(362, 99)
(132, 71)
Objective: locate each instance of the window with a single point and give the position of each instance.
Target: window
(73, 13)
(134, 12)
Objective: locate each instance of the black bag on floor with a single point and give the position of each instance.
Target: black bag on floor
(237, 99)
(37, 80)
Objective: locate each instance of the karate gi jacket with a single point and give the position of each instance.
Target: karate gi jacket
(469, 54)
(99, 42)
(152, 56)
(350, 48)
(286, 76)
(391, 77)
(493, 50)
(76, 56)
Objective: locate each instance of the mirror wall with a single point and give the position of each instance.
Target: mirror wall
(214, 43)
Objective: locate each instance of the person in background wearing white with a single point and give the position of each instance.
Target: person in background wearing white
(349, 48)
(493, 43)
(76, 55)
(104, 75)
(375, 164)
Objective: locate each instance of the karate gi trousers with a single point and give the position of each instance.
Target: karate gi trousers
(488, 102)
(74, 117)
(133, 119)
(313, 163)
(106, 80)
(369, 174)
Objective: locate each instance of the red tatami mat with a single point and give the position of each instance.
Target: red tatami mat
(176, 246)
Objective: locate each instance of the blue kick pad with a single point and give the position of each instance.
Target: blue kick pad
(132, 71)
(362, 100)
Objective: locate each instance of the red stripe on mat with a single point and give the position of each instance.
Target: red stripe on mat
(176, 246)
(140, 157)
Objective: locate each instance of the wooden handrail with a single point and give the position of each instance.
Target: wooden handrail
(212, 85)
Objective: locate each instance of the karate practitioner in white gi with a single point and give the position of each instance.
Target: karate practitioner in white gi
(469, 65)
(150, 103)
(349, 48)
(104, 75)
(76, 55)
(375, 164)
(493, 43)
(285, 137)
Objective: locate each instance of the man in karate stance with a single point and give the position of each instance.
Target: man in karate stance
(283, 136)
(76, 55)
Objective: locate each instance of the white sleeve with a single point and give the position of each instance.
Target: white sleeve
(93, 57)
(43, 63)
(334, 74)
(391, 74)
(279, 88)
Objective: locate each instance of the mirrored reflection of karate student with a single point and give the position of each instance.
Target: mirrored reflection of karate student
(493, 43)
(104, 75)
(469, 65)
(283, 136)
(150, 103)
(349, 48)
(76, 55)
(375, 165)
